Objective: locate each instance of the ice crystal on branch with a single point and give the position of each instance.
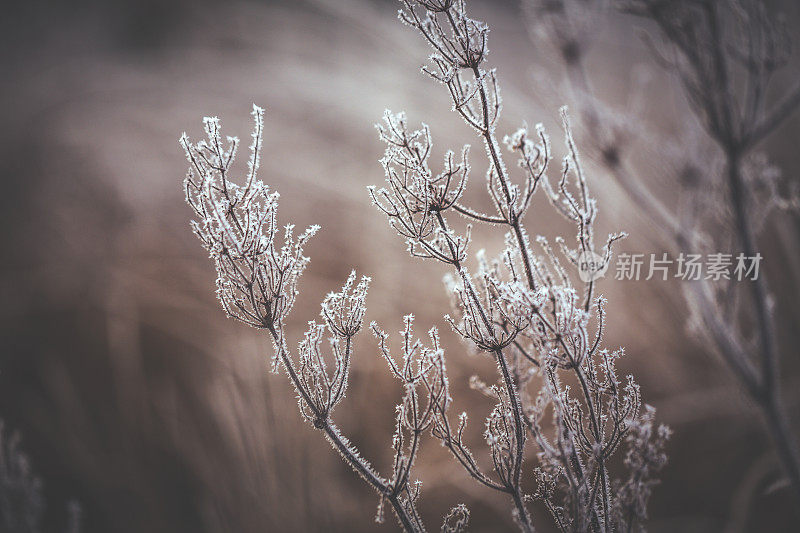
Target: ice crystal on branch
(344, 311)
(456, 520)
(257, 275)
(421, 370)
(644, 457)
(415, 195)
(524, 309)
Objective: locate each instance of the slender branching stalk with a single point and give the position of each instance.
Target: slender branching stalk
(523, 309)
(257, 284)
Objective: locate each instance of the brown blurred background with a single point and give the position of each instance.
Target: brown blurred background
(134, 395)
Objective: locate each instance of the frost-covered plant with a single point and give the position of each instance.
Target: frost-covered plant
(524, 309)
(257, 278)
(22, 502)
(725, 55)
(21, 498)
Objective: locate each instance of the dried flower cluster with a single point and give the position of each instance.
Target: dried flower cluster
(256, 277)
(525, 309)
(257, 284)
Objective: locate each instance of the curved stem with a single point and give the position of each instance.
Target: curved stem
(338, 441)
(598, 437)
(777, 422)
(518, 415)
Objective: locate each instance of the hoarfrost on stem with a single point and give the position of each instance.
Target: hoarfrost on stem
(521, 308)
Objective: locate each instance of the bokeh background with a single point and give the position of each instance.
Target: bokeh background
(136, 397)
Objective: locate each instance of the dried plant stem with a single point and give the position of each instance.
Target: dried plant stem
(768, 124)
(769, 398)
(410, 522)
(516, 226)
(778, 424)
(529, 317)
(514, 486)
